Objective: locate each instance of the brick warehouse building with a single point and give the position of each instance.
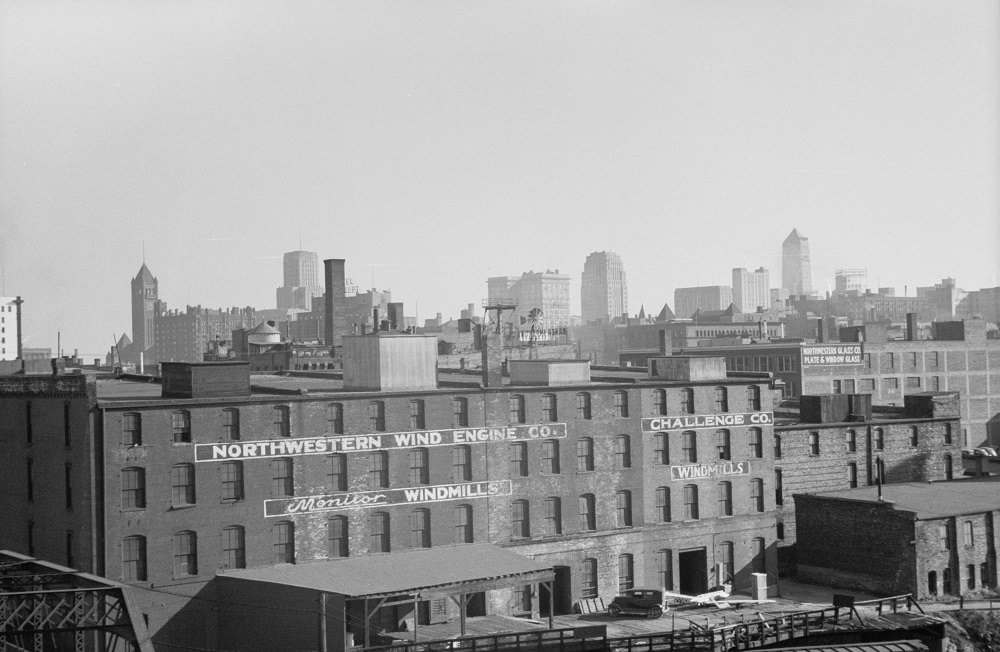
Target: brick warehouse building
(202, 489)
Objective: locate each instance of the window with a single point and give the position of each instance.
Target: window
(756, 442)
(970, 575)
(726, 562)
(621, 403)
(849, 386)
(583, 405)
(522, 599)
(133, 488)
(852, 475)
(914, 437)
(879, 439)
(284, 542)
(623, 452)
(890, 385)
(282, 478)
(778, 488)
(753, 398)
(463, 524)
(969, 533)
(518, 459)
(758, 562)
(661, 448)
(689, 447)
(779, 530)
(836, 387)
(549, 412)
(949, 471)
(28, 430)
(459, 412)
(932, 360)
(337, 479)
(30, 479)
(851, 441)
(890, 360)
(588, 578)
(932, 582)
(185, 553)
(911, 359)
(814, 443)
(234, 547)
(943, 536)
(132, 429)
(663, 504)
(913, 383)
(134, 559)
(757, 495)
(379, 530)
(722, 444)
(461, 463)
(687, 401)
(231, 424)
(550, 456)
(725, 499)
(947, 433)
(68, 476)
(282, 423)
(584, 454)
(984, 574)
(182, 485)
(665, 569)
(721, 399)
(946, 581)
(623, 509)
(418, 466)
(867, 361)
(520, 524)
(777, 446)
(588, 520)
(626, 573)
(420, 528)
(335, 418)
(337, 530)
(378, 476)
(867, 384)
(660, 401)
(376, 416)
(417, 414)
(232, 480)
(181, 424)
(516, 408)
(690, 502)
(553, 516)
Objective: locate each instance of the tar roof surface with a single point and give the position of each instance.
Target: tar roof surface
(930, 500)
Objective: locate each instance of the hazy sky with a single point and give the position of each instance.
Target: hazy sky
(434, 144)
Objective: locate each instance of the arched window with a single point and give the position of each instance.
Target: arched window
(234, 547)
(553, 515)
(461, 463)
(379, 474)
(687, 400)
(459, 412)
(181, 424)
(520, 519)
(626, 573)
(584, 454)
(621, 403)
(588, 578)
(134, 488)
(337, 535)
(282, 423)
(583, 405)
(463, 524)
(231, 424)
(376, 416)
(134, 559)
(185, 553)
(663, 504)
(417, 420)
(379, 532)
(753, 398)
(691, 502)
(550, 456)
(420, 528)
(284, 542)
(335, 418)
(623, 508)
(725, 499)
(623, 452)
(418, 473)
(721, 399)
(660, 402)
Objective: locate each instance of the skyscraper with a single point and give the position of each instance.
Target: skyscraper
(796, 275)
(301, 281)
(547, 291)
(145, 294)
(751, 290)
(604, 294)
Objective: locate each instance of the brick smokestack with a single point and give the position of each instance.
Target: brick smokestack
(335, 322)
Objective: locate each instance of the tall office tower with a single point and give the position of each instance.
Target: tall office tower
(301, 282)
(708, 297)
(547, 291)
(796, 273)
(10, 328)
(751, 290)
(603, 292)
(145, 291)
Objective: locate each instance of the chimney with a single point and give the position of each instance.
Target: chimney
(820, 331)
(333, 302)
(911, 326)
(376, 322)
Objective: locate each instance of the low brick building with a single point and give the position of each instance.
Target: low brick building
(928, 539)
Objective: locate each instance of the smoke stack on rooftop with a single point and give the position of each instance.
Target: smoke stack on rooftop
(333, 302)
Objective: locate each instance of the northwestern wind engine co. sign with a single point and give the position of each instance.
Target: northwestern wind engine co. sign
(383, 497)
(243, 450)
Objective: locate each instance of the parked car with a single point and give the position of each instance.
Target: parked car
(650, 603)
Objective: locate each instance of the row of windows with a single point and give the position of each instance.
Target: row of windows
(29, 428)
(889, 385)
(375, 413)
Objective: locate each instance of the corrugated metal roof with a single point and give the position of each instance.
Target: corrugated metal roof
(930, 500)
(403, 572)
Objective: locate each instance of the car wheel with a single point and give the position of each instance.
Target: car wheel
(655, 612)
(615, 610)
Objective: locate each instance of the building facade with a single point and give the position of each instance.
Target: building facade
(751, 290)
(603, 290)
(687, 301)
(796, 270)
(185, 336)
(301, 281)
(10, 328)
(546, 291)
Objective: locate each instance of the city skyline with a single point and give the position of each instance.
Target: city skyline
(197, 140)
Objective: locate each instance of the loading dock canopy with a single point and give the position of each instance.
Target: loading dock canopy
(426, 573)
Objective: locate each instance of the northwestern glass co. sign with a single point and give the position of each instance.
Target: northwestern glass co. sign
(714, 470)
(832, 354)
(696, 421)
(381, 498)
(242, 450)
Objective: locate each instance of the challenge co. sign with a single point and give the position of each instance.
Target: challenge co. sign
(243, 450)
(697, 421)
(412, 495)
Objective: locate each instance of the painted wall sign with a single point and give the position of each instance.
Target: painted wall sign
(384, 497)
(696, 421)
(243, 450)
(832, 354)
(715, 470)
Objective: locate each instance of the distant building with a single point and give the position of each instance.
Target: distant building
(984, 303)
(145, 296)
(301, 281)
(186, 336)
(751, 290)
(796, 272)
(10, 328)
(942, 298)
(547, 291)
(851, 281)
(603, 290)
(708, 297)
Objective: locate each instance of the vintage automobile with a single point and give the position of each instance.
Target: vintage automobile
(642, 602)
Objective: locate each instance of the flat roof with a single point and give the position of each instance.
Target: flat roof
(930, 500)
(427, 570)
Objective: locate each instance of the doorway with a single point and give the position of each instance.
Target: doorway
(562, 592)
(693, 571)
